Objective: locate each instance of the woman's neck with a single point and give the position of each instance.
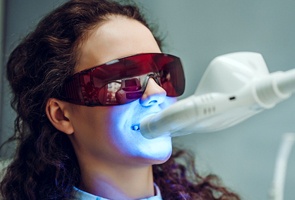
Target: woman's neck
(117, 182)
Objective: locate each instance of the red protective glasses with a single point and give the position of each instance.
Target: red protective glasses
(124, 80)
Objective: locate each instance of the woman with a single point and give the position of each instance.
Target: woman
(82, 81)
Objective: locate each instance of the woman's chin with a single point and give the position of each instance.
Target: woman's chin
(161, 153)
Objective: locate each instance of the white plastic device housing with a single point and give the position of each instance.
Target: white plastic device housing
(234, 87)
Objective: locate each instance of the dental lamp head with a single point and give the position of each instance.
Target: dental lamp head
(234, 87)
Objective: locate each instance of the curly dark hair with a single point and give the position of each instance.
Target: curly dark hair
(45, 165)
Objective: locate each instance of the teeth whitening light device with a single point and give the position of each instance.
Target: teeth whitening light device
(234, 87)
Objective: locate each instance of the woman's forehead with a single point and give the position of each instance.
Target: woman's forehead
(118, 37)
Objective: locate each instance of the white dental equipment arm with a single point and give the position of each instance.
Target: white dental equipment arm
(234, 87)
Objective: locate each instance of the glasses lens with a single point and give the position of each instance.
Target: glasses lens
(122, 91)
(124, 80)
(171, 75)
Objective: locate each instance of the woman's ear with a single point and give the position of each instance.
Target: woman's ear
(57, 115)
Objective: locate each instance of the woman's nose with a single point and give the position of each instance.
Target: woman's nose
(153, 94)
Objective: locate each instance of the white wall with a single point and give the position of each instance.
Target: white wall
(199, 30)
(1, 58)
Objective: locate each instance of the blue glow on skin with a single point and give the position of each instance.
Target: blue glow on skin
(130, 142)
(104, 133)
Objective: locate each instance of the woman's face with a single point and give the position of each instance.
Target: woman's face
(105, 132)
